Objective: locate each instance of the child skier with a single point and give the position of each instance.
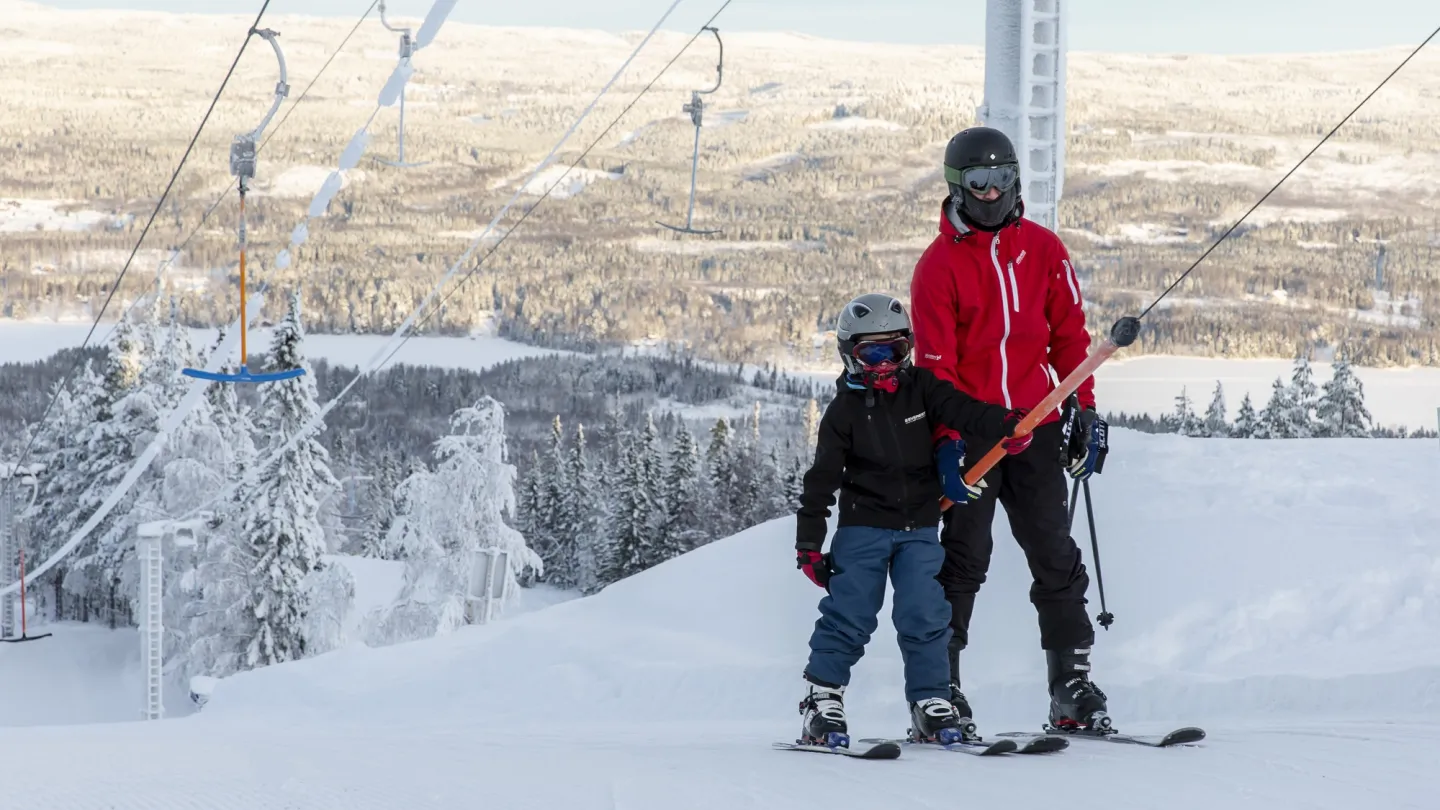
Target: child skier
(876, 447)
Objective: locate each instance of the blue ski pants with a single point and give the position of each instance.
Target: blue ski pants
(849, 614)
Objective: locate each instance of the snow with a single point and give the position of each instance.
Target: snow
(1286, 609)
(857, 122)
(1150, 383)
(22, 215)
(576, 179)
(705, 247)
(300, 182)
(29, 341)
(1152, 234)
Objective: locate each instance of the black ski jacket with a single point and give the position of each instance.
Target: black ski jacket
(879, 452)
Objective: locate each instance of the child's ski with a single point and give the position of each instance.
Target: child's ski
(881, 749)
(977, 748)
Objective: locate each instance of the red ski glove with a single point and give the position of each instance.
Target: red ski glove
(815, 565)
(1014, 444)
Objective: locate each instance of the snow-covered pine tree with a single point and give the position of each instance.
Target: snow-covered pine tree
(633, 529)
(1341, 411)
(794, 483)
(1275, 419)
(1304, 398)
(1247, 423)
(448, 517)
(683, 528)
(126, 418)
(1216, 419)
(555, 547)
(380, 498)
(1184, 418)
(812, 424)
(721, 465)
(586, 519)
(280, 522)
(60, 448)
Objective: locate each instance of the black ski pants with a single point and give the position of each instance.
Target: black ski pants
(1031, 485)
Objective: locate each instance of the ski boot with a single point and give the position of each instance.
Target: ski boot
(933, 720)
(1076, 704)
(823, 713)
(957, 698)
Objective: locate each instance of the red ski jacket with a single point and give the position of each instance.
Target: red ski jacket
(999, 315)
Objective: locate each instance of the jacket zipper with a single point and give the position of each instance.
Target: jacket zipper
(1004, 310)
(904, 487)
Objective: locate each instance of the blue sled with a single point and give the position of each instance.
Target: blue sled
(244, 376)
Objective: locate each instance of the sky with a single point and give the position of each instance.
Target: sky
(1170, 26)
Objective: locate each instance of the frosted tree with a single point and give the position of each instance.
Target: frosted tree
(448, 517)
(1304, 398)
(552, 542)
(722, 466)
(280, 522)
(586, 517)
(1186, 422)
(380, 511)
(60, 447)
(637, 514)
(794, 484)
(683, 527)
(1216, 418)
(1247, 423)
(812, 424)
(1341, 411)
(1274, 421)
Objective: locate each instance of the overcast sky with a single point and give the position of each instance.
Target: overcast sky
(1203, 26)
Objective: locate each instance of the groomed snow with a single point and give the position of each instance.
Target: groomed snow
(1280, 594)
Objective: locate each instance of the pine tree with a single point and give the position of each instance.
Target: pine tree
(1275, 421)
(636, 518)
(1341, 411)
(721, 466)
(1186, 422)
(380, 500)
(812, 424)
(1304, 398)
(281, 519)
(1216, 421)
(683, 529)
(554, 545)
(1247, 423)
(447, 518)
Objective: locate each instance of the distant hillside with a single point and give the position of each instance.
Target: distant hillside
(819, 163)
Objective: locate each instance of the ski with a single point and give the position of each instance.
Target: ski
(1180, 736)
(881, 749)
(977, 748)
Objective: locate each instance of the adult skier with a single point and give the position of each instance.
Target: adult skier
(875, 446)
(998, 314)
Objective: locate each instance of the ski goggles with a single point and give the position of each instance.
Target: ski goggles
(882, 352)
(979, 178)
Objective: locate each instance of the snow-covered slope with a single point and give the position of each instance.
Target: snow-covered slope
(1281, 594)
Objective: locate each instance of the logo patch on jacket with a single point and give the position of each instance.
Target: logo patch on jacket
(916, 418)
(1020, 258)
(933, 357)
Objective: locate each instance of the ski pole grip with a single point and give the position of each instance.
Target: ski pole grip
(1123, 333)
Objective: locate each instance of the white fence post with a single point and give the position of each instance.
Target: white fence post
(489, 579)
(9, 558)
(150, 549)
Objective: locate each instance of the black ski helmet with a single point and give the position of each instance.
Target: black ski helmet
(991, 156)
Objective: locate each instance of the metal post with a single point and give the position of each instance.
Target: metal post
(9, 560)
(150, 549)
(152, 625)
(1025, 44)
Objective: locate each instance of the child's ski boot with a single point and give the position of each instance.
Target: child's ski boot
(823, 713)
(934, 720)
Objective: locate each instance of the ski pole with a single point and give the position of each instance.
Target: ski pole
(1106, 618)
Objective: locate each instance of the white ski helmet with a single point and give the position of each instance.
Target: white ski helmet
(874, 314)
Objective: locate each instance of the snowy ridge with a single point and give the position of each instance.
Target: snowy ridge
(1219, 614)
(1237, 571)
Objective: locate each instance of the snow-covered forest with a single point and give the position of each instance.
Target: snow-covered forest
(1297, 409)
(419, 468)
